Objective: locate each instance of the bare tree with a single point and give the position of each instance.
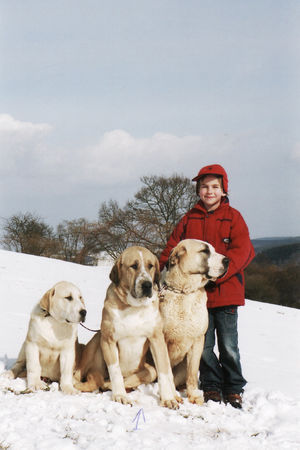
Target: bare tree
(114, 229)
(160, 204)
(149, 219)
(28, 233)
(77, 240)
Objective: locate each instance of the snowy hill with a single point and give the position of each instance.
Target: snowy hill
(269, 344)
(261, 244)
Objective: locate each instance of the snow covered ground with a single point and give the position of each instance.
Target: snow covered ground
(269, 344)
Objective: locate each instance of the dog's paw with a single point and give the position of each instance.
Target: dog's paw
(195, 399)
(179, 399)
(194, 396)
(171, 404)
(106, 386)
(38, 385)
(79, 386)
(121, 399)
(69, 389)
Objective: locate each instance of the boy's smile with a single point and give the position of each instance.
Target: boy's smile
(211, 192)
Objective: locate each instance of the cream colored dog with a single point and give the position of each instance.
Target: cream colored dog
(191, 265)
(49, 347)
(131, 323)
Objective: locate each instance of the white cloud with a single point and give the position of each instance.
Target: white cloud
(120, 156)
(12, 130)
(20, 143)
(117, 154)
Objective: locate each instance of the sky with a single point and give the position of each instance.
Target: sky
(96, 94)
(91, 421)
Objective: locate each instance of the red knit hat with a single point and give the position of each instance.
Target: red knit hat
(214, 169)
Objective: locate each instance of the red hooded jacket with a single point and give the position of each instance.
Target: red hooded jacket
(227, 231)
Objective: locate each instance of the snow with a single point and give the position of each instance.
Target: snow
(269, 344)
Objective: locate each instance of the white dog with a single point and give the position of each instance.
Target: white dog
(51, 345)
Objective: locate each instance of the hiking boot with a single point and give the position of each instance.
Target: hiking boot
(235, 400)
(214, 396)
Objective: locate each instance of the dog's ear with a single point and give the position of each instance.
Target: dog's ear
(45, 300)
(175, 255)
(157, 273)
(115, 272)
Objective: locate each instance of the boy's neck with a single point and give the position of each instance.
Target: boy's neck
(211, 208)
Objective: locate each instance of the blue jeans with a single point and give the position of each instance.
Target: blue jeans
(223, 374)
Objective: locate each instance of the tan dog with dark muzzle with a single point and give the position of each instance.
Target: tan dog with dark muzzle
(131, 324)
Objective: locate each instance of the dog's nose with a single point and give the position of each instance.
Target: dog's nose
(82, 313)
(147, 287)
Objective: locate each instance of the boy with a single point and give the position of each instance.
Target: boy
(214, 221)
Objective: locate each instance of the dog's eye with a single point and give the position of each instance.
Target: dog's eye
(150, 266)
(206, 251)
(69, 298)
(134, 266)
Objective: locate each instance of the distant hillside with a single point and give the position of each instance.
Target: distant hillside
(283, 254)
(265, 243)
(273, 276)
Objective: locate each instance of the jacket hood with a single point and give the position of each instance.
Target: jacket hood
(214, 169)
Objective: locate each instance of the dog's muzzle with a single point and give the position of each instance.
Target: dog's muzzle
(225, 262)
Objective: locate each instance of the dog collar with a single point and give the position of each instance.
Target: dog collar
(165, 287)
(169, 288)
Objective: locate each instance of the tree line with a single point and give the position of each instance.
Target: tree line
(273, 276)
(148, 220)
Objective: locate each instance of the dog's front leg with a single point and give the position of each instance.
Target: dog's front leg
(166, 384)
(193, 363)
(111, 357)
(33, 366)
(67, 362)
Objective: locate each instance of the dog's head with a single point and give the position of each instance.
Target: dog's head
(195, 257)
(64, 303)
(136, 271)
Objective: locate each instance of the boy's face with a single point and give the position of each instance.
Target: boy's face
(211, 192)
